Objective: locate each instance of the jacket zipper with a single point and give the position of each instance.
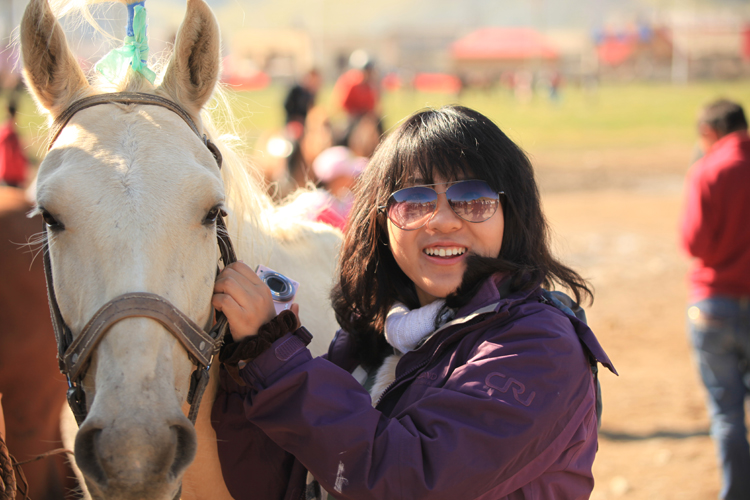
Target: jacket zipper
(402, 378)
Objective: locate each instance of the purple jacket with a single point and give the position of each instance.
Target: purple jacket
(499, 403)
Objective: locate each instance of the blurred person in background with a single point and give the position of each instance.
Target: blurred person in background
(13, 163)
(356, 90)
(287, 163)
(365, 135)
(285, 155)
(357, 93)
(318, 135)
(336, 168)
(301, 98)
(716, 232)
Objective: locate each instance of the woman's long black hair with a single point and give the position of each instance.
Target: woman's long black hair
(451, 142)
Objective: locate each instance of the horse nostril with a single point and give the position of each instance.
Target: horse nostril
(86, 454)
(186, 445)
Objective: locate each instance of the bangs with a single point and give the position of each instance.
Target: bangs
(441, 144)
(423, 165)
(451, 143)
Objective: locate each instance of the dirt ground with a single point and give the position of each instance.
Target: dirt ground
(615, 220)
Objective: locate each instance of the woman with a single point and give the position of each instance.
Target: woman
(481, 386)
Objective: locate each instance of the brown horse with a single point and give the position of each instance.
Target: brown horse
(33, 389)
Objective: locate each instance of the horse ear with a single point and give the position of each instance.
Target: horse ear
(192, 72)
(50, 68)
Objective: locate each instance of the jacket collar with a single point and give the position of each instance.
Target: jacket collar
(728, 141)
(494, 294)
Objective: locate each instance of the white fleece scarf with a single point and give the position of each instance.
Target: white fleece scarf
(405, 328)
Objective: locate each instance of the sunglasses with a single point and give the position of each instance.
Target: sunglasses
(412, 207)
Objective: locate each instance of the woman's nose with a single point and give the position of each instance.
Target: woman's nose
(444, 219)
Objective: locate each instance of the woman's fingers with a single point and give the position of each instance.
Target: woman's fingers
(244, 299)
(244, 270)
(241, 282)
(295, 309)
(227, 305)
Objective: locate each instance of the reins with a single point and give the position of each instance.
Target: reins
(201, 344)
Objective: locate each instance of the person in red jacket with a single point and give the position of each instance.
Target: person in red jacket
(357, 92)
(13, 163)
(716, 233)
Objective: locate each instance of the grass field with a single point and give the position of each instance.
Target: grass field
(614, 117)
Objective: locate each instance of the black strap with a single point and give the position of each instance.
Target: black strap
(63, 334)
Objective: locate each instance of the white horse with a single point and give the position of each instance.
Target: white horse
(129, 194)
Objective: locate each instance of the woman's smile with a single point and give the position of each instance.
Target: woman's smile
(443, 252)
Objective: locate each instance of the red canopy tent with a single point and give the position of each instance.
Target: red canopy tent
(503, 44)
(614, 51)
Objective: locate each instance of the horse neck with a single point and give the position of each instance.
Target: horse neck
(253, 242)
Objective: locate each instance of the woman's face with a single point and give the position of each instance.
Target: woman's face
(417, 252)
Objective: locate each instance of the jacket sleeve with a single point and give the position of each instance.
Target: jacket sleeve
(253, 466)
(497, 422)
(698, 224)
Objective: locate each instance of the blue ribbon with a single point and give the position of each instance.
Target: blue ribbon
(134, 52)
(131, 15)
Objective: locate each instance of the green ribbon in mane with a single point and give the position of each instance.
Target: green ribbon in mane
(133, 53)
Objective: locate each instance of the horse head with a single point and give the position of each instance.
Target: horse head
(130, 196)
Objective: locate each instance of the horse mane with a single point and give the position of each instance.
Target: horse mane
(247, 202)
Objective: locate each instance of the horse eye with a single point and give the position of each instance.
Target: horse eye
(212, 215)
(51, 222)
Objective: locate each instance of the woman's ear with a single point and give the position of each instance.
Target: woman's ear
(383, 234)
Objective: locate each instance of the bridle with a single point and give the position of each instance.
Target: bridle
(74, 355)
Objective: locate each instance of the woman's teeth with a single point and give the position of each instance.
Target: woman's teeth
(445, 252)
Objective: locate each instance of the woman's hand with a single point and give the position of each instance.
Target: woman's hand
(244, 299)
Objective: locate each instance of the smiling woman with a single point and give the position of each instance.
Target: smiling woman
(468, 380)
(447, 145)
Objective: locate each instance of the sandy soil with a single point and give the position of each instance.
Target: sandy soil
(619, 228)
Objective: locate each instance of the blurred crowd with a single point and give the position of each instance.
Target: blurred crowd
(310, 151)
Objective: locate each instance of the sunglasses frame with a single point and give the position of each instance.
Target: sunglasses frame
(384, 209)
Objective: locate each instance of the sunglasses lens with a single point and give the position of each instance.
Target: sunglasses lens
(412, 207)
(473, 201)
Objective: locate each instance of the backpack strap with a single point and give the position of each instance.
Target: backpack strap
(567, 305)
